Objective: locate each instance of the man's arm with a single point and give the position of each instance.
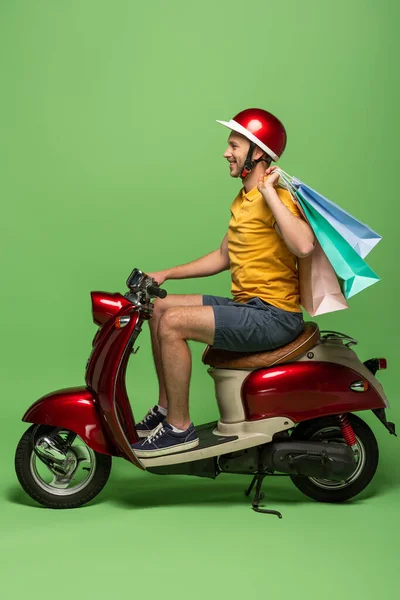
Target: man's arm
(297, 234)
(210, 264)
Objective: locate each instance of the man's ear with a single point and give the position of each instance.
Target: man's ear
(257, 153)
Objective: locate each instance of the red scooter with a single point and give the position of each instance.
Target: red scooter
(286, 412)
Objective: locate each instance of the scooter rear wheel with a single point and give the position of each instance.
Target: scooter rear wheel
(327, 429)
(86, 474)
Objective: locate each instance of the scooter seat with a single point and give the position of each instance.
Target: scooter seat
(225, 359)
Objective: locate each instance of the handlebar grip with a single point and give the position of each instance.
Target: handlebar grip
(154, 290)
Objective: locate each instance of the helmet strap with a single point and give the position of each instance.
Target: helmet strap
(249, 164)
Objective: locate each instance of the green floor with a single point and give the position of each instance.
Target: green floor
(186, 537)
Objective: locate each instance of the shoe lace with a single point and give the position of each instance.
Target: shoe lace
(157, 433)
(150, 414)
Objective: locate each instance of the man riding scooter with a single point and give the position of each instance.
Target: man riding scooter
(265, 236)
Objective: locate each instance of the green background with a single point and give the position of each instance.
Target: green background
(111, 159)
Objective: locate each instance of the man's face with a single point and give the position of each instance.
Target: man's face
(236, 153)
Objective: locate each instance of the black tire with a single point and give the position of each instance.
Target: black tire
(30, 481)
(325, 491)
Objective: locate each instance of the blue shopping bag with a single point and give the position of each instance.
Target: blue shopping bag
(360, 237)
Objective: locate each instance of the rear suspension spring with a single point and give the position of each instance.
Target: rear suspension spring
(347, 431)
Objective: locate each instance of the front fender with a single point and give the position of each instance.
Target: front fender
(74, 409)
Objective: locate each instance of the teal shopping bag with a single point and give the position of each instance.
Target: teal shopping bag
(351, 269)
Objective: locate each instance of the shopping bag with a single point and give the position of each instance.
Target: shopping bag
(320, 291)
(360, 237)
(353, 272)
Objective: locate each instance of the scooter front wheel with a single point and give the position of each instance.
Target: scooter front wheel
(57, 469)
(327, 430)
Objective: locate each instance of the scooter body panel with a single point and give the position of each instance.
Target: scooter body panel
(75, 409)
(106, 371)
(106, 305)
(228, 438)
(305, 390)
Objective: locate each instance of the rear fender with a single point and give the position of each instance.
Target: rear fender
(74, 409)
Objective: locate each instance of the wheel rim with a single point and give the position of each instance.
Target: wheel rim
(82, 460)
(361, 459)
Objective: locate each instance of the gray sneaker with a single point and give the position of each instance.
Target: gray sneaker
(152, 420)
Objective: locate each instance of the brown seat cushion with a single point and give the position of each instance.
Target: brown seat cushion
(226, 359)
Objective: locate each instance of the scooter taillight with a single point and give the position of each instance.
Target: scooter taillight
(106, 306)
(376, 364)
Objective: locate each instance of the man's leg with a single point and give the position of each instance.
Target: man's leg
(160, 306)
(177, 325)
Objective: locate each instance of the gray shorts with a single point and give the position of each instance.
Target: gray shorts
(253, 326)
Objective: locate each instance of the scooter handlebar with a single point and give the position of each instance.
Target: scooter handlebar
(154, 290)
(138, 281)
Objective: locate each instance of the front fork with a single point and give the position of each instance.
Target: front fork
(53, 451)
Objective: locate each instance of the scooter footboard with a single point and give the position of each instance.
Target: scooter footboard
(74, 409)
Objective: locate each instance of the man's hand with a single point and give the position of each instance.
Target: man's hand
(158, 277)
(296, 233)
(268, 181)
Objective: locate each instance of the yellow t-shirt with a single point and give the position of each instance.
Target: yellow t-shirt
(260, 262)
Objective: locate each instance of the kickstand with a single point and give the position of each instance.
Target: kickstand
(259, 496)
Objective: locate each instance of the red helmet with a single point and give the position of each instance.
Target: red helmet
(261, 128)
